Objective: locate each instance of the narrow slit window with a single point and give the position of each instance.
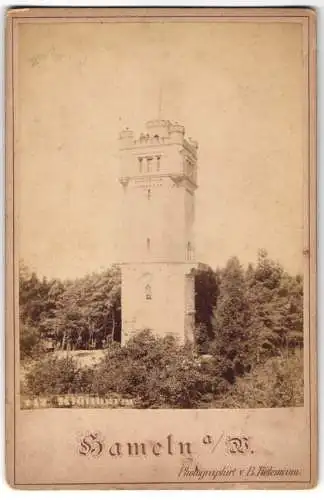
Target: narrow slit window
(148, 292)
(140, 165)
(148, 244)
(189, 251)
(149, 194)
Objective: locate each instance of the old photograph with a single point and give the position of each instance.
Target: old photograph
(161, 248)
(160, 172)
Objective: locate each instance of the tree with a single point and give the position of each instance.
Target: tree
(206, 294)
(88, 313)
(232, 321)
(276, 300)
(29, 340)
(33, 294)
(84, 313)
(36, 306)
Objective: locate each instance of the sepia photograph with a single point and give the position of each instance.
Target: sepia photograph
(160, 218)
(162, 239)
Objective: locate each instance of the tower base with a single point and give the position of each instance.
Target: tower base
(159, 297)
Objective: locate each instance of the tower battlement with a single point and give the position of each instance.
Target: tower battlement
(158, 132)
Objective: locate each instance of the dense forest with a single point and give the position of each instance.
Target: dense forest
(80, 314)
(248, 339)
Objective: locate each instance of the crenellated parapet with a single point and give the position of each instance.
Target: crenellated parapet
(158, 132)
(126, 138)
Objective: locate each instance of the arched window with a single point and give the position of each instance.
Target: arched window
(148, 292)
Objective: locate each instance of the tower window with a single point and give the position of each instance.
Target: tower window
(140, 164)
(148, 164)
(158, 158)
(148, 292)
(148, 244)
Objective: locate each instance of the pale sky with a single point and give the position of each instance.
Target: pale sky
(237, 88)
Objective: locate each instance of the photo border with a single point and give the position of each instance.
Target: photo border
(70, 14)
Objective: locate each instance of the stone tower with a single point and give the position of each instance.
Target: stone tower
(158, 178)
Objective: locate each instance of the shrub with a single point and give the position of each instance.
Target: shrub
(184, 382)
(29, 341)
(53, 375)
(156, 372)
(277, 383)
